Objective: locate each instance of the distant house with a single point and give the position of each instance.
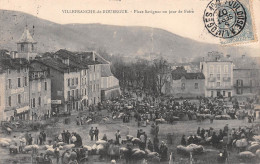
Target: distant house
(184, 84)
(246, 76)
(109, 83)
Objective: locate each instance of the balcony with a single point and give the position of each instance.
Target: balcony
(74, 98)
(219, 87)
(211, 79)
(226, 79)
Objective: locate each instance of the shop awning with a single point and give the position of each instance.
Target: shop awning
(23, 109)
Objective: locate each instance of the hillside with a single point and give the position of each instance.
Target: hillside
(127, 41)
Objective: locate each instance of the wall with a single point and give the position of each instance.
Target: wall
(2, 95)
(14, 91)
(189, 89)
(37, 90)
(94, 80)
(225, 79)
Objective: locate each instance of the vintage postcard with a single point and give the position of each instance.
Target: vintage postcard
(129, 81)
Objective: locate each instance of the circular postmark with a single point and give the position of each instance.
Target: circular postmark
(224, 18)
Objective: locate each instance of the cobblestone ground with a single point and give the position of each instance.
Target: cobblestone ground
(179, 128)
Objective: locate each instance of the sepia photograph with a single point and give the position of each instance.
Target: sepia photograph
(129, 82)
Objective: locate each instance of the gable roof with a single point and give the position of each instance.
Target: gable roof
(26, 37)
(106, 71)
(180, 72)
(14, 64)
(58, 65)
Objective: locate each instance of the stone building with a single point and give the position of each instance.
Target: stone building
(184, 84)
(65, 83)
(26, 46)
(218, 72)
(14, 89)
(40, 92)
(246, 76)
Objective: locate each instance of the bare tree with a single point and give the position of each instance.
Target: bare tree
(162, 71)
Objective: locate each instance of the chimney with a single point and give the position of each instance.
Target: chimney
(93, 56)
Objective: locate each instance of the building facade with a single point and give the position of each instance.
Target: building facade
(40, 92)
(246, 77)
(109, 84)
(14, 89)
(218, 72)
(184, 84)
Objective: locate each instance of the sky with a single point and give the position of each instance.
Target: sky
(188, 25)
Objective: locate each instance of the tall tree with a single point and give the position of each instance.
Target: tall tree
(162, 71)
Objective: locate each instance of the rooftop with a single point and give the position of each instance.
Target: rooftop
(26, 37)
(215, 56)
(180, 72)
(14, 64)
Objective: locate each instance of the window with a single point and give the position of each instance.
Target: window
(226, 68)
(32, 47)
(77, 93)
(211, 69)
(73, 105)
(72, 81)
(85, 91)
(25, 81)
(72, 94)
(68, 82)
(39, 101)
(90, 88)
(22, 47)
(239, 91)
(33, 103)
(10, 83)
(19, 82)
(19, 98)
(212, 94)
(10, 101)
(240, 83)
(218, 84)
(218, 76)
(183, 86)
(196, 86)
(68, 95)
(82, 81)
(218, 69)
(224, 93)
(45, 86)
(77, 81)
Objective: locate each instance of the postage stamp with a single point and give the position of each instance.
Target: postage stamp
(230, 20)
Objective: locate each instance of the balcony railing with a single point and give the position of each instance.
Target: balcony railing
(219, 87)
(211, 79)
(75, 98)
(226, 79)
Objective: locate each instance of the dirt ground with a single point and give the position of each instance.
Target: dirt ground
(178, 129)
